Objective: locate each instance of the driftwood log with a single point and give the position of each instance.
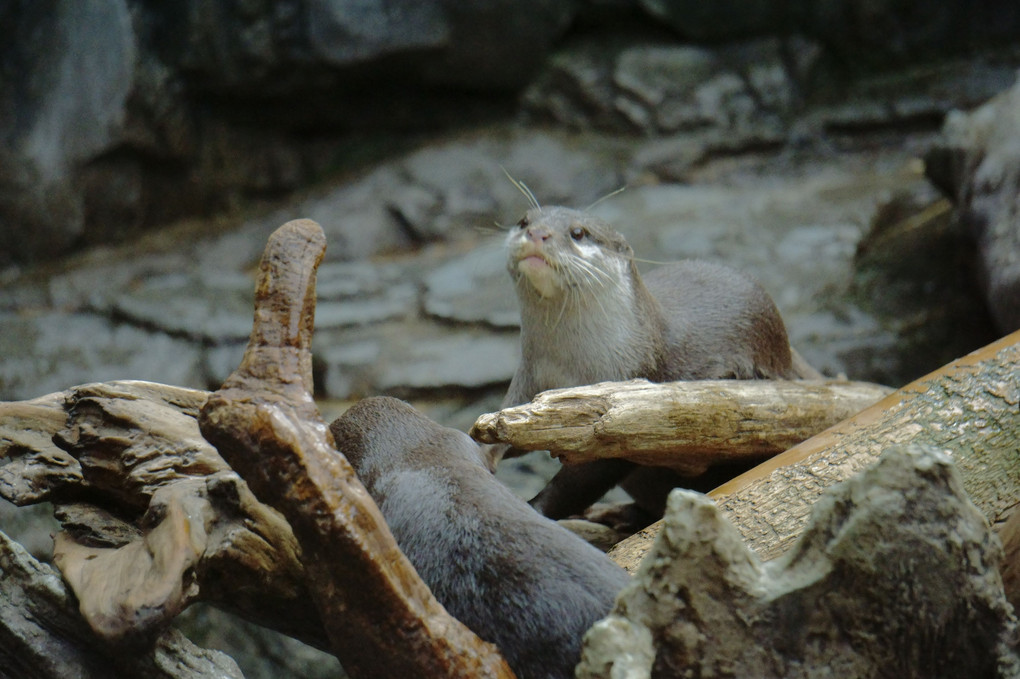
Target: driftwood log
(42, 635)
(139, 492)
(687, 426)
(381, 619)
(970, 407)
(155, 519)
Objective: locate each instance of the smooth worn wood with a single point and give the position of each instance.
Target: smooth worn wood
(42, 635)
(153, 519)
(380, 618)
(970, 407)
(687, 426)
(34, 467)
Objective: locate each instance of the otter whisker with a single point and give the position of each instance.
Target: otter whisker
(523, 188)
(650, 261)
(590, 270)
(581, 280)
(606, 197)
(495, 228)
(563, 308)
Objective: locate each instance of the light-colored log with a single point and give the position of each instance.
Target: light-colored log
(970, 408)
(687, 426)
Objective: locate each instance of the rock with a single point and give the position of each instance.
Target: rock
(405, 360)
(360, 293)
(474, 288)
(290, 47)
(976, 163)
(466, 360)
(355, 218)
(210, 308)
(863, 34)
(113, 124)
(897, 569)
(70, 73)
(50, 351)
(728, 19)
(743, 90)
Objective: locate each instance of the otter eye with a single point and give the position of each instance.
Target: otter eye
(523, 223)
(577, 233)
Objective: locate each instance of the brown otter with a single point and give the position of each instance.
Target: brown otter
(513, 577)
(587, 315)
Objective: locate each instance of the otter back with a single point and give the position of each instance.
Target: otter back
(513, 577)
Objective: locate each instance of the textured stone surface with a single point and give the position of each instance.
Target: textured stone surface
(178, 309)
(977, 163)
(134, 114)
(896, 570)
(68, 81)
(473, 289)
(48, 352)
(872, 33)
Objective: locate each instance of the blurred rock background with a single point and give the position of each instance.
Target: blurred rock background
(148, 148)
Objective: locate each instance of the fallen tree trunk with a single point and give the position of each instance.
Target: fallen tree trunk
(969, 407)
(686, 426)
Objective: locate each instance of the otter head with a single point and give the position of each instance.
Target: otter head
(555, 251)
(381, 433)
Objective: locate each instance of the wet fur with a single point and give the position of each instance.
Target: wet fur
(513, 577)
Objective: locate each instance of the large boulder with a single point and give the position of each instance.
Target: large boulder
(863, 34)
(977, 163)
(126, 114)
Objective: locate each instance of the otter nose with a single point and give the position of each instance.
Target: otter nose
(538, 234)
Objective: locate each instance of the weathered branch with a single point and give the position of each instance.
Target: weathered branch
(42, 635)
(687, 426)
(154, 519)
(35, 467)
(969, 407)
(381, 620)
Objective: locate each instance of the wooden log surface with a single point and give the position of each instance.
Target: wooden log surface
(380, 618)
(43, 636)
(687, 426)
(154, 518)
(970, 407)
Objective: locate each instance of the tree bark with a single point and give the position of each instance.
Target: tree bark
(969, 407)
(686, 426)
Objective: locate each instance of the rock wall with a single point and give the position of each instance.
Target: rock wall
(133, 113)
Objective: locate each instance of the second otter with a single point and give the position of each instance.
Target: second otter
(587, 316)
(516, 579)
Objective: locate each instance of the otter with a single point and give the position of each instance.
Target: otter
(588, 315)
(515, 578)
